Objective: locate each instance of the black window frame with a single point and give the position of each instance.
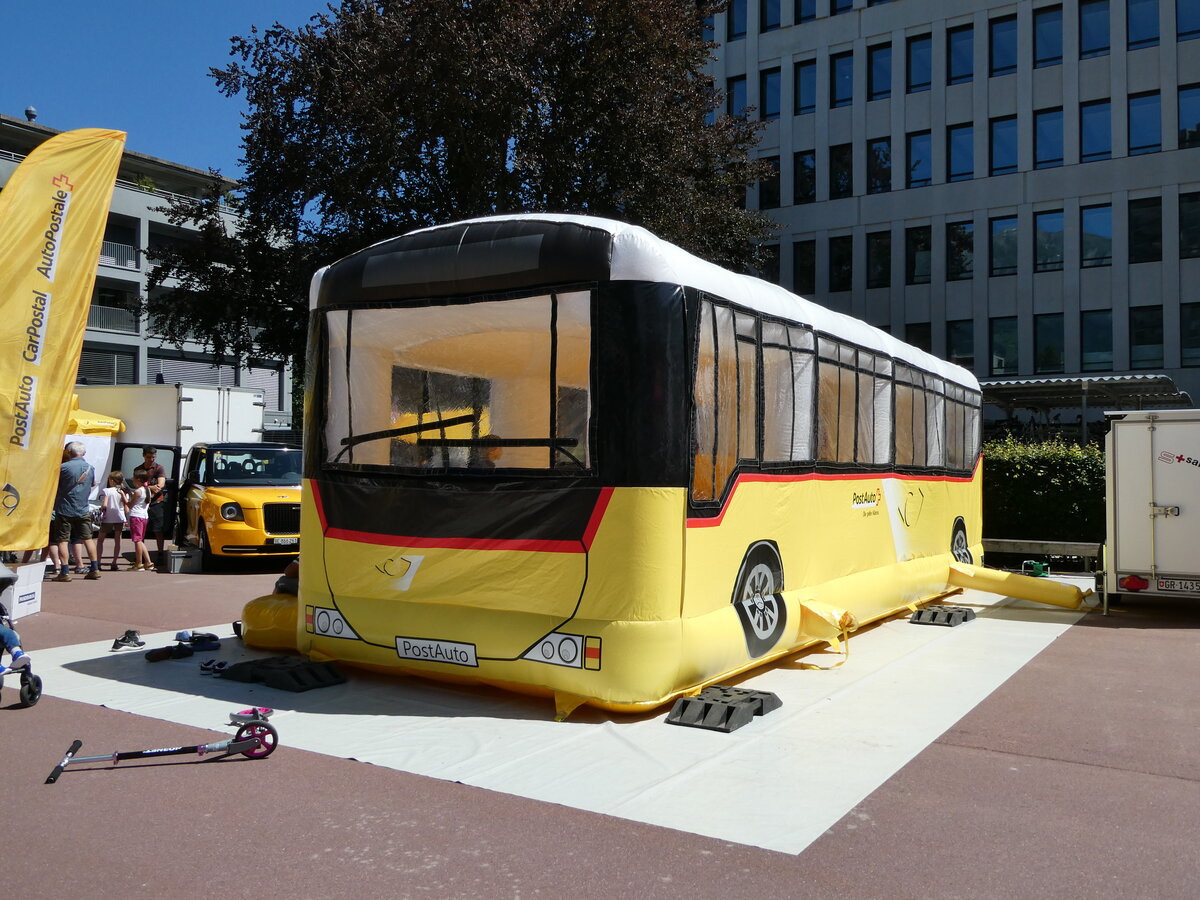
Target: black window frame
(1003, 43)
(1047, 30)
(879, 175)
(993, 126)
(804, 177)
(876, 90)
(952, 172)
(1050, 261)
(1094, 261)
(1003, 268)
(1144, 101)
(1094, 48)
(965, 33)
(841, 263)
(1145, 219)
(1141, 24)
(841, 171)
(836, 100)
(801, 86)
(1042, 160)
(879, 259)
(910, 175)
(955, 271)
(918, 53)
(918, 239)
(1095, 155)
(770, 104)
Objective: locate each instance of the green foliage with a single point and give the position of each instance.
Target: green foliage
(1050, 491)
(381, 116)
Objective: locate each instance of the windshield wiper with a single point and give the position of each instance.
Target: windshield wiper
(356, 439)
(559, 444)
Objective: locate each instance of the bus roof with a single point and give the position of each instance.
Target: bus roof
(635, 254)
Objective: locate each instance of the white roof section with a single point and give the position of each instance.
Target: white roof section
(638, 255)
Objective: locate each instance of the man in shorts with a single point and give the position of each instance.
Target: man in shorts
(156, 481)
(72, 518)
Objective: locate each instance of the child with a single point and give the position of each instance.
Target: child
(138, 504)
(112, 516)
(12, 643)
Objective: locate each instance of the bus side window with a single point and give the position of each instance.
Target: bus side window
(704, 397)
(904, 420)
(747, 373)
(727, 399)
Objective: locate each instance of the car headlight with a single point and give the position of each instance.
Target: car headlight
(232, 512)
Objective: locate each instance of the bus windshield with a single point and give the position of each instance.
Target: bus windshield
(470, 385)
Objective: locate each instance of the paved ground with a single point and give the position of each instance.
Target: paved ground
(1075, 779)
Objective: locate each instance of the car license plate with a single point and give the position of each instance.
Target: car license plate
(285, 541)
(1189, 585)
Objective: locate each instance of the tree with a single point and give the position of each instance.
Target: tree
(381, 116)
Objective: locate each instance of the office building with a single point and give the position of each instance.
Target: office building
(1014, 186)
(121, 347)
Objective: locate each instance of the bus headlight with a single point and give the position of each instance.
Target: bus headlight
(232, 512)
(558, 650)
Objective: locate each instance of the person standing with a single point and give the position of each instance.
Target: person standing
(112, 516)
(139, 503)
(156, 484)
(72, 518)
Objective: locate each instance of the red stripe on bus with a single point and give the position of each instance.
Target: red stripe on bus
(821, 476)
(598, 511)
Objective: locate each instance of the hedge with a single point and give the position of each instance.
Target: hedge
(1050, 491)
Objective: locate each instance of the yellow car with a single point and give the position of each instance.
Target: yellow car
(240, 500)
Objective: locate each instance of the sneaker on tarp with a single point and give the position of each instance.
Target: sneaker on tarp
(130, 640)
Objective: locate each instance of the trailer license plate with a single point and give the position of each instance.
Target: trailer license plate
(1188, 585)
(285, 540)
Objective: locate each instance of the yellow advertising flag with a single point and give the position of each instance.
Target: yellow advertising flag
(52, 216)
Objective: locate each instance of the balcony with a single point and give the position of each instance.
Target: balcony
(112, 318)
(122, 256)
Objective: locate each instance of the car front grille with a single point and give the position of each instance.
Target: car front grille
(281, 518)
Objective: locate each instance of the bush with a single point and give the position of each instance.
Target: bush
(1051, 491)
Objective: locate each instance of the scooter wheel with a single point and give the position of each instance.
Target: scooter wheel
(267, 736)
(31, 690)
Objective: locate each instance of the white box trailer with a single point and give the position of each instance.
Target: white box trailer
(179, 415)
(1152, 489)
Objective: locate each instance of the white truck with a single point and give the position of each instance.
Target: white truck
(1153, 503)
(179, 415)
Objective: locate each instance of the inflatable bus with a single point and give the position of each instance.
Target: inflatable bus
(560, 455)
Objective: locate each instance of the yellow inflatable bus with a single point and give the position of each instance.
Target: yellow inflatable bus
(559, 455)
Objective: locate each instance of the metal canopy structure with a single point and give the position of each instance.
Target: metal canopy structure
(1106, 391)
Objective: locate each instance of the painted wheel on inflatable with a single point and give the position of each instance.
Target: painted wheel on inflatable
(959, 548)
(756, 597)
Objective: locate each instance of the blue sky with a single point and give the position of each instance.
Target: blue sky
(139, 66)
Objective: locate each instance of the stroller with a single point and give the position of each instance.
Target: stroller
(31, 685)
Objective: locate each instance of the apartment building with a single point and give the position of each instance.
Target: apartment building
(1014, 186)
(120, 347)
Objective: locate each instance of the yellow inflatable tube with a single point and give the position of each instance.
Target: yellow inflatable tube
(1010, 584)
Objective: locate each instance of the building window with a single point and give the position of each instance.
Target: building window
(837, 7)
(768, 188)
(806, 10)
(1189, 225)
(1093, 28)
(1189, 115)
(919, 62)
(1145, 128)
(879, 166)
(1047, 36)
(879, 259)
(920, 335)
(806, 86)
(841, 79)
(841, 171)
(769, 267)
(1095, 236)
(920, 159)
(1095, 130)
(960, 55)
(735, 20)
(768, 94)
(1003, 145)
(916, 254)
(1142, 23)
(1187, 19)
(107, 366)
(1145, 337)
(1048, 343)
(841, 263)
(879, 72)
(1004, 245)
(1048, 241)
(1004, 346)
(1145, 230)
(768, 15)
(960, 152)
(804, 177)
(960, 251)
(1189, 334)
(735, 96)
(1047, 138)
(804, 267)
(960, 342)
(1095, 340)
(1002, 46)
